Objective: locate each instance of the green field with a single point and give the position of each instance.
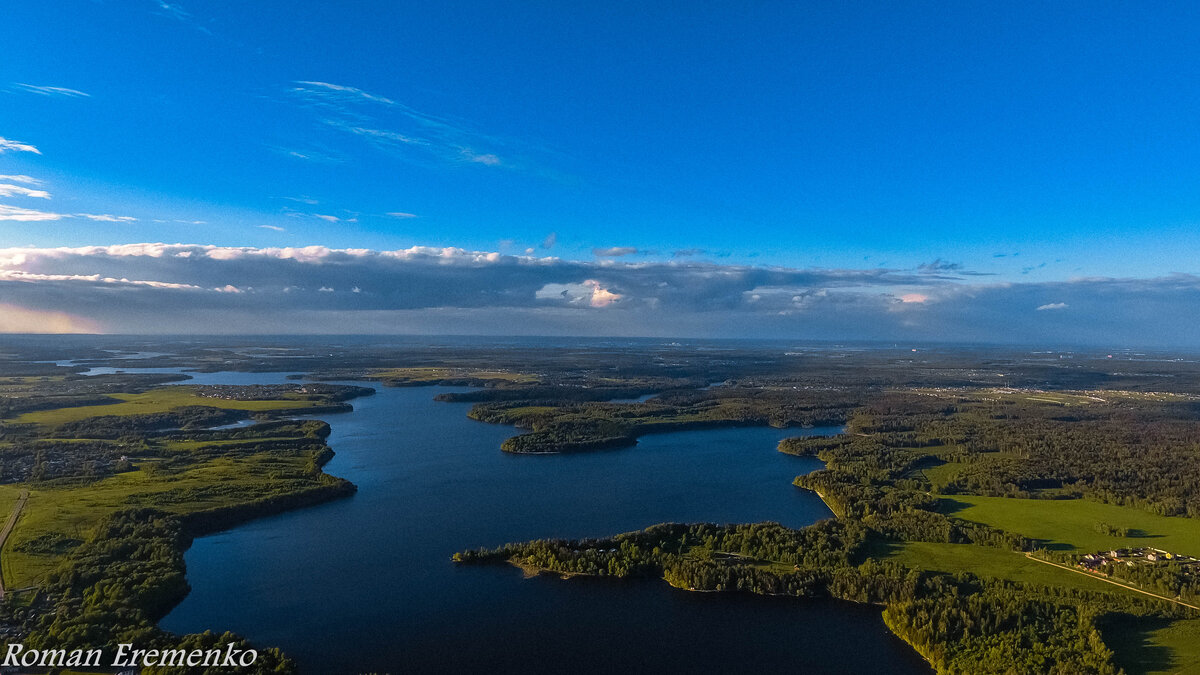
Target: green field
(435, 374)
(1142, 648)
(1070, 524)
(939, 476)
(988, 562)
(1156, 648)
(11, 385)
(74, 511)
(169, 476)
(160, 399)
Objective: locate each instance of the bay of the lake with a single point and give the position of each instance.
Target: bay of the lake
(365, 584)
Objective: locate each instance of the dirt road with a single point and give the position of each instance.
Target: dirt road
(1115, 583)
(8, 528)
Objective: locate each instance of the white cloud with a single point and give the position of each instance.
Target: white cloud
(311, 87)
(401, 214)
(589, 293)
(1053, 305)
(106, 218)
(26, 215)
(328, 218)
(275, 228)
(380, 134)
(173, 10)
(486, 158)
(7, 144)
(33, 277)
(50, 91)
(396, 127)
(614, 251)
(9, 190)
(21, 178)
(308, 155)
(601, 297)
(177, 12)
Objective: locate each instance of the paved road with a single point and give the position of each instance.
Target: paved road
(1115, 583)
(8, 528)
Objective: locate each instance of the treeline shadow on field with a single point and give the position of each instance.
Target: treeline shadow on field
(1130, 639)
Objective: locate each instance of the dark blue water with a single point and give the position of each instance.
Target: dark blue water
(365, 584)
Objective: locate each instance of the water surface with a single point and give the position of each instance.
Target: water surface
(365, 584)
(222, 377)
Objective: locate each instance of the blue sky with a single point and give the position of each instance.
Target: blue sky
(1037, 143)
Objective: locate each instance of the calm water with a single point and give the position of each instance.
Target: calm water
(365, 584)
(225, 377)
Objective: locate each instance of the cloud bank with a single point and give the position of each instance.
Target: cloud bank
(614, 251)
(187, 288)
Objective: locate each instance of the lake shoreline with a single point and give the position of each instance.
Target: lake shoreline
(436, 420)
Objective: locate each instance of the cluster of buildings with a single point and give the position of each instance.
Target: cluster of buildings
(1130, 557)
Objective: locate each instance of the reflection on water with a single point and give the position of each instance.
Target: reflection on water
(224, 377)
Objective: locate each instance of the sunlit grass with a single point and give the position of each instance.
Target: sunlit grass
(160, 399)
(1070, 524)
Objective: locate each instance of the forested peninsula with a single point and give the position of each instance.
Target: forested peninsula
(118, 473)
(894, 480)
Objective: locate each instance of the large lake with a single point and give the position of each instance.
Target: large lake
(366, 584)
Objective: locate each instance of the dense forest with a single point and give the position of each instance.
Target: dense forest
(917, 427)
(962, 624)
(118, 584)
(1123, 448)
(1117, 448)
(590, 426)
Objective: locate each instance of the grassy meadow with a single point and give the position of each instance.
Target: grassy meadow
(431, 375)
(72, 511)
(158, 400)
(1070, 524)
(1156, 648)
(183, 474)
(985, 561)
